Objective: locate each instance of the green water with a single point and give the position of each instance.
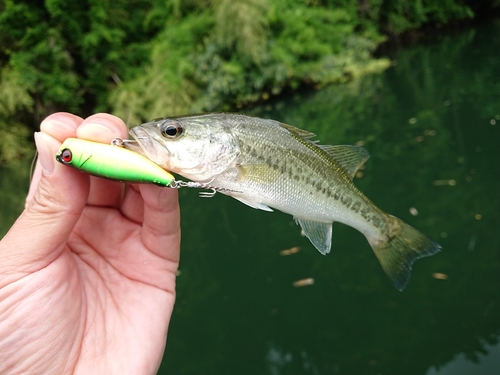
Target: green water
(432, 125)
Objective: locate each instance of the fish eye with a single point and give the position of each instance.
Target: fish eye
(171, 129)
(66, 155)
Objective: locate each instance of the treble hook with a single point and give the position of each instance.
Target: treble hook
(208, 194)
(177, 184)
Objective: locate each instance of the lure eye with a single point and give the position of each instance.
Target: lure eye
(66, 156)
(171, 129)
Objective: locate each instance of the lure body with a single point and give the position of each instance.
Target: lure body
(111, 162)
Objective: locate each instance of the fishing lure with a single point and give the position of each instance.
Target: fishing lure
(112, 162)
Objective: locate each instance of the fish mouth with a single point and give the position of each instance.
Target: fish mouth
(142, 143)
(148, 146)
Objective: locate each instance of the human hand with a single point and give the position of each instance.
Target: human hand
(87, 272)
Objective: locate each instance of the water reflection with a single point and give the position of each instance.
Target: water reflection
(14, 182)
(282, 363)
(487, 363)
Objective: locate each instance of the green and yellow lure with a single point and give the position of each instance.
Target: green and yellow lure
(112, 162)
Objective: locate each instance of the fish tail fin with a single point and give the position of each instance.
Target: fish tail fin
(399, 248)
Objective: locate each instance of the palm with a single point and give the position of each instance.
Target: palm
(111, 297)
(127, 286)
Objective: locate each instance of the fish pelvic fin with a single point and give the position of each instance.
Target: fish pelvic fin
(318, 232)
(253, 204)
(399, 248)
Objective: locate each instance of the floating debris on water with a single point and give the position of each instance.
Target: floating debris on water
(290, 251)
(303, 282)
(444, 182)
(413, 211)
(440, 276)
(472, 242)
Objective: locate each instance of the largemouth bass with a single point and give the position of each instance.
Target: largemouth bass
(267, 164)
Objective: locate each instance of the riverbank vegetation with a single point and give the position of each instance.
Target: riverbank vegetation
(142, 59)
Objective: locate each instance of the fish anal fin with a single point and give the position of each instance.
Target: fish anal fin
(349, 157)
(318, 232)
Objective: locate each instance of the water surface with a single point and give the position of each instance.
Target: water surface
(432, 125)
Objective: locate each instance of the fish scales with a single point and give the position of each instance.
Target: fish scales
(305, 171)
(267, 164)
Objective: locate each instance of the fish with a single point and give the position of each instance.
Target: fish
(269, 165)
(111, 162)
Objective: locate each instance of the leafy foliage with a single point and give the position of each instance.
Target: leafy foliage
(64, 59)
(148, 58)
(234, 53)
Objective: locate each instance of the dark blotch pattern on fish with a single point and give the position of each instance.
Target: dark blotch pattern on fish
(323, 184)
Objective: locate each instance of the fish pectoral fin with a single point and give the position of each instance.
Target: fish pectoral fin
(256, 172)
(253, 204)
(318, 232)
(349, 157)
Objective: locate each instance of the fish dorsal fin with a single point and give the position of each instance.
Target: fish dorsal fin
(298, 132)
(349, 157)
(318, 232)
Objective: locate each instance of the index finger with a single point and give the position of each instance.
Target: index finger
(103, 127)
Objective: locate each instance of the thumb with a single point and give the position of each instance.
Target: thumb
(58, 197)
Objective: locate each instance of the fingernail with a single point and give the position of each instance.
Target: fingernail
(45, 153)
(96, 132)
(59, 124)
